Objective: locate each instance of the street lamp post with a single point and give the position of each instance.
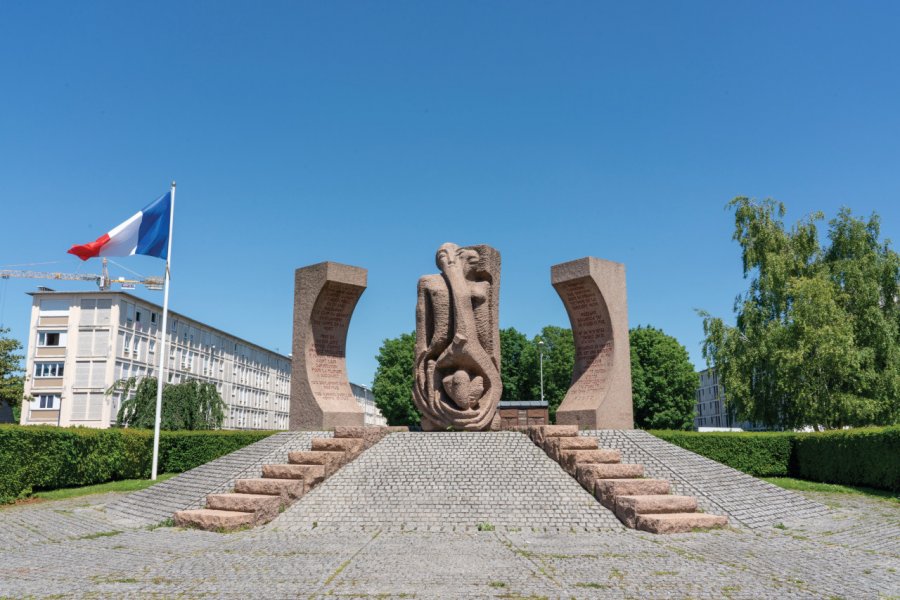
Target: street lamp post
(541, 349)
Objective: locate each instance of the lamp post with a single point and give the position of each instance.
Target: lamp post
(541, 349)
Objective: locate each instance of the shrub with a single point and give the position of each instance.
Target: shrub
(868, 457)
(46, 458)
(766, 454)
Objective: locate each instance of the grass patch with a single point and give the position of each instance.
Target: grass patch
(94, 536)
(486, 526)
(497, 584)
(125, 485)
(801, 485)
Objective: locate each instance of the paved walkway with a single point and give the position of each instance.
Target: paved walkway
(73, 549)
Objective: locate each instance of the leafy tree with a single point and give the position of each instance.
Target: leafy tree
(189, 405)
(817, 336)
(663, 381)
(11, 382)
(394, 379)
(559, 360)
(514, 371)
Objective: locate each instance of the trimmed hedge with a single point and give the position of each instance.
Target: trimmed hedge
(865, 457)
(764, 454)
(46, 458)
(868, 457)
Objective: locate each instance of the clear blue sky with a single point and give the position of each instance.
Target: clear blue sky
(371, 132)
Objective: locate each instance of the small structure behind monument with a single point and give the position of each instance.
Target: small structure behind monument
(593, 292)
(325, 295)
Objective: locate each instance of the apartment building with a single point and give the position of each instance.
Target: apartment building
(366, 399)
(711, 411)
(80, 343)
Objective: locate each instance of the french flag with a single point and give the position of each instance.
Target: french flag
(147, 233)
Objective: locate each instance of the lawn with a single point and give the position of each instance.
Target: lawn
(801, 485)
(125, 485)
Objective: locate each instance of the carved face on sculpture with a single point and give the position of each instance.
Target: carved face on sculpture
(457, 340)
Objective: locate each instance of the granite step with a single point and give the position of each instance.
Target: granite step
(553, 446)
(629, 507)
(607, 490)
(588, 474)
(330, 460)
(542, 432)
(214, 520)
(310, 474)
(352, 446)
(263, 506)
(286, 489)
(679, 522)
(570, 459)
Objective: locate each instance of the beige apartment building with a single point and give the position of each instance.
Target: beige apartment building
(80, 343)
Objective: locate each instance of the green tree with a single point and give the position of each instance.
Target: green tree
(817, 335)
(190, 405)
(663, 381)
(393, 384)
(559, 360)
(11, 380)
(513, 368)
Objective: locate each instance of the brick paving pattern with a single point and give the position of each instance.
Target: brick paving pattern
(189, 490)
(746, 500)
(67, 549)
(449, 481)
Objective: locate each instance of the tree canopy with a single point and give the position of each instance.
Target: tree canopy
(663, 382)
(190, 405)
(393, 383)
(817, 335)
(11, 379)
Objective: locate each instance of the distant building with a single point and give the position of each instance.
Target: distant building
(711, 411)
(80, 343)
(521, 413)
(366, 399)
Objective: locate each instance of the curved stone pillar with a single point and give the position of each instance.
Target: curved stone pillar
(325, 295)
(593, 292)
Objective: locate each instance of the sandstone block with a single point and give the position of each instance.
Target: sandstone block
(588, 474)
(310, 474)
(541, 432)
(570, 459)
(287, 490)
(264, 507)
(214, 520)
(629, 507)
(352, 446)
(679, 522)
(607, 490)
(331, 461)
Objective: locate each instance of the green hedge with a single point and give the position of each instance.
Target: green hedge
(46, 458)
(759, 454)
(868, 457)
(864, 457)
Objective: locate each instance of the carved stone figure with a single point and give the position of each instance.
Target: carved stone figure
(593, 292)
(457, 368)
(325, 295)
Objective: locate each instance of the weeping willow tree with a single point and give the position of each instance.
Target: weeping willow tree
(189, 405)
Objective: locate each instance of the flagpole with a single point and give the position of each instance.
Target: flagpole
(161, 380)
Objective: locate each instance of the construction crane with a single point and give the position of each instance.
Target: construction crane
(103, 281)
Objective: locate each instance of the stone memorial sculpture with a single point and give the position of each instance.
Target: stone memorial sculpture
(593, 292)
(457, 357)
(325, 295)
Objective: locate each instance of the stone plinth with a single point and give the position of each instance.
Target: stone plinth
(325, 295)
(593, 292)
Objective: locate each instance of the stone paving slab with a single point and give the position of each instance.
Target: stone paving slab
(721, 490)
(449, 481)
(838, 555)
(189, 489)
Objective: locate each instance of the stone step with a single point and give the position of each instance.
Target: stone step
(310, 474)
(588, 474)
(554, 445)
(679, 522)
(352, 446)
(214, 520)
(629, 507)
(369, 435)
(541, 432)
(607, 490)
(263, 506)
(330, 460)
(570, 459)
(286, 489)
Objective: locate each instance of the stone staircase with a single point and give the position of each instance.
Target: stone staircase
(640, 503)
(257, 501)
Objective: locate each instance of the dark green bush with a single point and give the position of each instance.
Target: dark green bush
(864, 457)
(765, 454)
(867, 457)
(45, 458)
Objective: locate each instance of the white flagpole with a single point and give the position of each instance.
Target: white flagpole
(160, 376)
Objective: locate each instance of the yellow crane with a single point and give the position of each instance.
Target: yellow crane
(103, 281)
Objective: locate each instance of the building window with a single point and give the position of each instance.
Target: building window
(129, 312)
(48, 369)
(51, 338)
(153, 317)
(47, 401)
